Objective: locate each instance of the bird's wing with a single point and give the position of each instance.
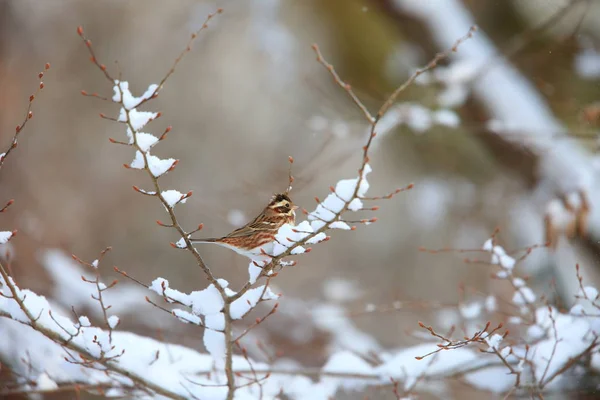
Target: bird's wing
(259, 224)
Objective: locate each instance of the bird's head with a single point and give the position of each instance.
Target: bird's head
(282, 204)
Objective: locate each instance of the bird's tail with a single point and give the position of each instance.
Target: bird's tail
(204, 240)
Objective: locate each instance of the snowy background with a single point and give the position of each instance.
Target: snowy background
(504, 134)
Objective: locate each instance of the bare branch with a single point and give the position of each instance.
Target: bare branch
(28, 116)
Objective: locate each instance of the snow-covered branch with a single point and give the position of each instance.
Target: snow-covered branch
(512, 340)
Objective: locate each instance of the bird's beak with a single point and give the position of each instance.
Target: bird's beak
(295, 207)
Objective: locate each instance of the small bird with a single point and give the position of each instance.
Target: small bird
(260, 232)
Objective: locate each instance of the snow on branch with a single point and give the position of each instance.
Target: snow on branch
(75, 351)
(117, 363)
(518, 114)
(215, 307)
(545, 346)
(348, 194)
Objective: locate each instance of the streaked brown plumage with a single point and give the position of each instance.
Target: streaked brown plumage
(260, 232)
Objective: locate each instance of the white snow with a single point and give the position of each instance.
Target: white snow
(215, 321)
(508, 97)
(215, 344)
(418, 118)
(319, 237)
(589, 292)
(113, 321)
(156, 165)
(152, 89)
(322, 213)
(493, 341)
(454, 95)
(502, 274)
(298, 250)
(345, 189)
(128, 100)
(577, 309)
(334, 320)
(573, 338)
(69, 289)
(404, 364)
(288, 234)
(470, 310)
(347, 362)
(44, 382)
(446, 117)
(161, 287)
(328, 210)
(138, 162)
(491, 304)
(249, 300)
(139, 119)
(186, 316)
(587, 63)
(507, 262)
(145, 141)
(5, 236)
(355, 205)
(499, 256)
(159, 166)
(207, 301)
(340, 225)
(523, 296)
(494, 379)
(165, 364)
(518, 282)
(515, 320)
(173, 197)
(253, 272)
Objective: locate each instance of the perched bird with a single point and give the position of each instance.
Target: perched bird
(260, 232)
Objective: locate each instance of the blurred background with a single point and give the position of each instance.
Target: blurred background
(503, 135)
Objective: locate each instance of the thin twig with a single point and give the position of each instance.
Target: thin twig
(28, 116)
(107, 362)
(432, 64)
(343, 84)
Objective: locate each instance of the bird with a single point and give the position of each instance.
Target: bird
(257, 237)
